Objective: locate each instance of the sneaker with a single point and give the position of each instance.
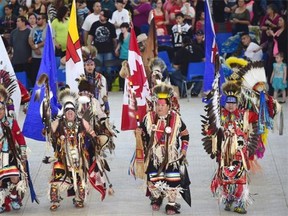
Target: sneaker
(15, 205)
(240, 210)
(2, 209)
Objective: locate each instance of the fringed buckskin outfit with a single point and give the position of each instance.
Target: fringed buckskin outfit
(235, 135)
(161, 140)
(70, 171)
(71, 138)
(233, 159)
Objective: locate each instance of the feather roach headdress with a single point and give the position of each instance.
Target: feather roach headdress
(232, 90)
(89, 54)
(162, 91)
(67, 99)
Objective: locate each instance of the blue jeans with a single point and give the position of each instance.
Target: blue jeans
(197, 86)
(106, 71)
(102, 57)
(176, 79)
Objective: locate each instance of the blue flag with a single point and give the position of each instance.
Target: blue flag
(210, 49)
(33, 125)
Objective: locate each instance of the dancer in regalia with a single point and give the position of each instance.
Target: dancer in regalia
(165, 142)
(234, 133)
(13, 158)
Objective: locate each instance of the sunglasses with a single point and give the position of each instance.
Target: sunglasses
(39, 18)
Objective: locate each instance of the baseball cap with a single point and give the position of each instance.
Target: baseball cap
(199, 32)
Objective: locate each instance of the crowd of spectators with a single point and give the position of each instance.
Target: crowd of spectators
(105, 25)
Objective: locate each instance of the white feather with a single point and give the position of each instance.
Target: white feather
(84, 99)
(254, 76)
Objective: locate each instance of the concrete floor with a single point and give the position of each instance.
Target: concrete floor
(269, 187)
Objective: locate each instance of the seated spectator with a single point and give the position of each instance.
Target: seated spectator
(161, 18)
(175, 9)
(179, 31)
(250, 50)
(198, 6)
(240, 18)
(200, 23)
(186, 54)
(230, 6)
(200, 43)
(189, 13)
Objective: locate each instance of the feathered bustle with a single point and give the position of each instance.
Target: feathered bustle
(254, 76)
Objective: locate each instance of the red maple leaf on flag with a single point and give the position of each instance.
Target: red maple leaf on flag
(138, 80)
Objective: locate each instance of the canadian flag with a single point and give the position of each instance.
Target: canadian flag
(136, 88)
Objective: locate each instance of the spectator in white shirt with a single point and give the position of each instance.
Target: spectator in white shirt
(121, 15)
(90, 19)
(252, 51)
